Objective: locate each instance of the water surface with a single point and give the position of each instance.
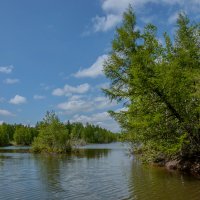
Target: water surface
(95, 172)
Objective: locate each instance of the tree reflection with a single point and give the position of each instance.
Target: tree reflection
(150, 183)
(92, 153)
(59, 172)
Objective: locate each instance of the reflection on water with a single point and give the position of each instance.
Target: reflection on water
(151, 183)
(92, 153)
(93, 172)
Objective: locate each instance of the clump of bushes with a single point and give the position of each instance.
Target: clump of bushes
(52, 137)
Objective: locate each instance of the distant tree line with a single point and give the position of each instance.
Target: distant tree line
(52, 135)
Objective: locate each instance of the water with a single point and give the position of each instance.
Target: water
(97, 172)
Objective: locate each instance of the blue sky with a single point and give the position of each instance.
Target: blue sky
(52, 51)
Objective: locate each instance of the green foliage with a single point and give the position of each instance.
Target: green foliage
(53, 136)
(91, 133)
(24, 135)
(4, 137)
(6, 134)
(8, 129)
(159, 85)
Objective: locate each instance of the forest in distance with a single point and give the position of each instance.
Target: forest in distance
(52, 135)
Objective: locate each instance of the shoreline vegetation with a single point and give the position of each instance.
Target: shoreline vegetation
(52, 136)
(157, 79)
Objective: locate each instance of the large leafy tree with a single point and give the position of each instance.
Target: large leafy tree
(158, 84)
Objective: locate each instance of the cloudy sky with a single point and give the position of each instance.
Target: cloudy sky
(51, 54)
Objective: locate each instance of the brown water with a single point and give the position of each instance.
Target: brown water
(97, 172)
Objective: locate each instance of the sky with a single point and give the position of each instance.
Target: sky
(52, 54)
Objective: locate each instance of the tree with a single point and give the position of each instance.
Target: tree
(23, 135)
(4, 137)
(158, 84)
(8, 129)
(53, 136)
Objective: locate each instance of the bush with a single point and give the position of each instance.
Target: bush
(53, 136)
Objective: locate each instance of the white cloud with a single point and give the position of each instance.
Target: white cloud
(18, 100)
(173, 18)
(98, 117)
(113, 14)
(105, 23)
(75, 105)
(6, 113)
(102, 119)
(11, 81)
(95, 70)
(120, 6)
(75, 97)
(68, 90)
(102, 85)
(117, 6)
(38, 97)
(113, 10)
(102, 102)
(6, 69)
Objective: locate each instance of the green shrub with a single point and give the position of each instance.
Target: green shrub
(53, 136)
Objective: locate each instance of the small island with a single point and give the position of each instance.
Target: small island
(52, 136)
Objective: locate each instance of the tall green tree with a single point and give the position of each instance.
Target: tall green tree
(158, 84)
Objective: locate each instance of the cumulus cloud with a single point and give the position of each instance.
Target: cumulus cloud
(93, 71)
(113, 14)
(6, 69)
(173, 18)
(117, 6)
(68, 90)
(75, 105)
(39, 97)
(6, 113)
(94, 118)
(105, 23)
(18, 100)
(113, 10)
(102, 119)
(11, 81)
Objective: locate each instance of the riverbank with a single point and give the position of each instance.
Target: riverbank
(189, 166)
(186, 165)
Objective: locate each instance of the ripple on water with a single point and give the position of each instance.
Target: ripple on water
(102, 172)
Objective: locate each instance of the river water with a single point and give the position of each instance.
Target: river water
(102, 171)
